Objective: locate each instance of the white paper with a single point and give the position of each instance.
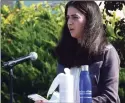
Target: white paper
(36, 97)
(54, 99)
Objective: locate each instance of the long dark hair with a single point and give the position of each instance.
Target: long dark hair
(69, 52)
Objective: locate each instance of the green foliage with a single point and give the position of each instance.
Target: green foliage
(24, 30)
(113, 5)
(122, 85)
(115, 30)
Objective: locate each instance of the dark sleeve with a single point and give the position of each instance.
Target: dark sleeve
(109, 78)
(60, 68)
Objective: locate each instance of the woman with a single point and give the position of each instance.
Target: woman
(84, 42)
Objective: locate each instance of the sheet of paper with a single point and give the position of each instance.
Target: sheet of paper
(36, 97)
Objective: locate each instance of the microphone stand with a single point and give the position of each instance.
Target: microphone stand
(11, 64)
(11, 67)
(11, 84)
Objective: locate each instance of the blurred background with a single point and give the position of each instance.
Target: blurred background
(28, 26)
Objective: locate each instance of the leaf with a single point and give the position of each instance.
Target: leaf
(62, 9)
(124, 10)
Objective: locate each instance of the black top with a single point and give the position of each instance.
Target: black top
(104, 73)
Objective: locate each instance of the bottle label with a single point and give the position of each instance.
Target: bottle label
(86, 94)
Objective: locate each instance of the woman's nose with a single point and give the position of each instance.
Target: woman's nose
(70, 22)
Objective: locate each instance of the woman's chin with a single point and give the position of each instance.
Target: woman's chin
(74, 36)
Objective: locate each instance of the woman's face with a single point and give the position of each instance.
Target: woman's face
(76, 22)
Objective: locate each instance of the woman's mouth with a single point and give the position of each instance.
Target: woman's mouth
(71, 30)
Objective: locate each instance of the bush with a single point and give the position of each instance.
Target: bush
(122, 85)
(24, 30)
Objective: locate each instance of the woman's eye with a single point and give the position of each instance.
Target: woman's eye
(75, 17)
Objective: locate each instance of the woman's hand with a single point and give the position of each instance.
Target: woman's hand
(39, 101)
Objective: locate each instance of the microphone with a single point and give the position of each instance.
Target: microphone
(31, 56)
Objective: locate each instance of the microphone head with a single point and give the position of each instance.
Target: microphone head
(33, 55)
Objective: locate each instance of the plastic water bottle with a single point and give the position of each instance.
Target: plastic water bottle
(65, 81)
(85, 87)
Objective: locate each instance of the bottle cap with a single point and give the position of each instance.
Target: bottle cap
(84, 67)
(67, 70)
